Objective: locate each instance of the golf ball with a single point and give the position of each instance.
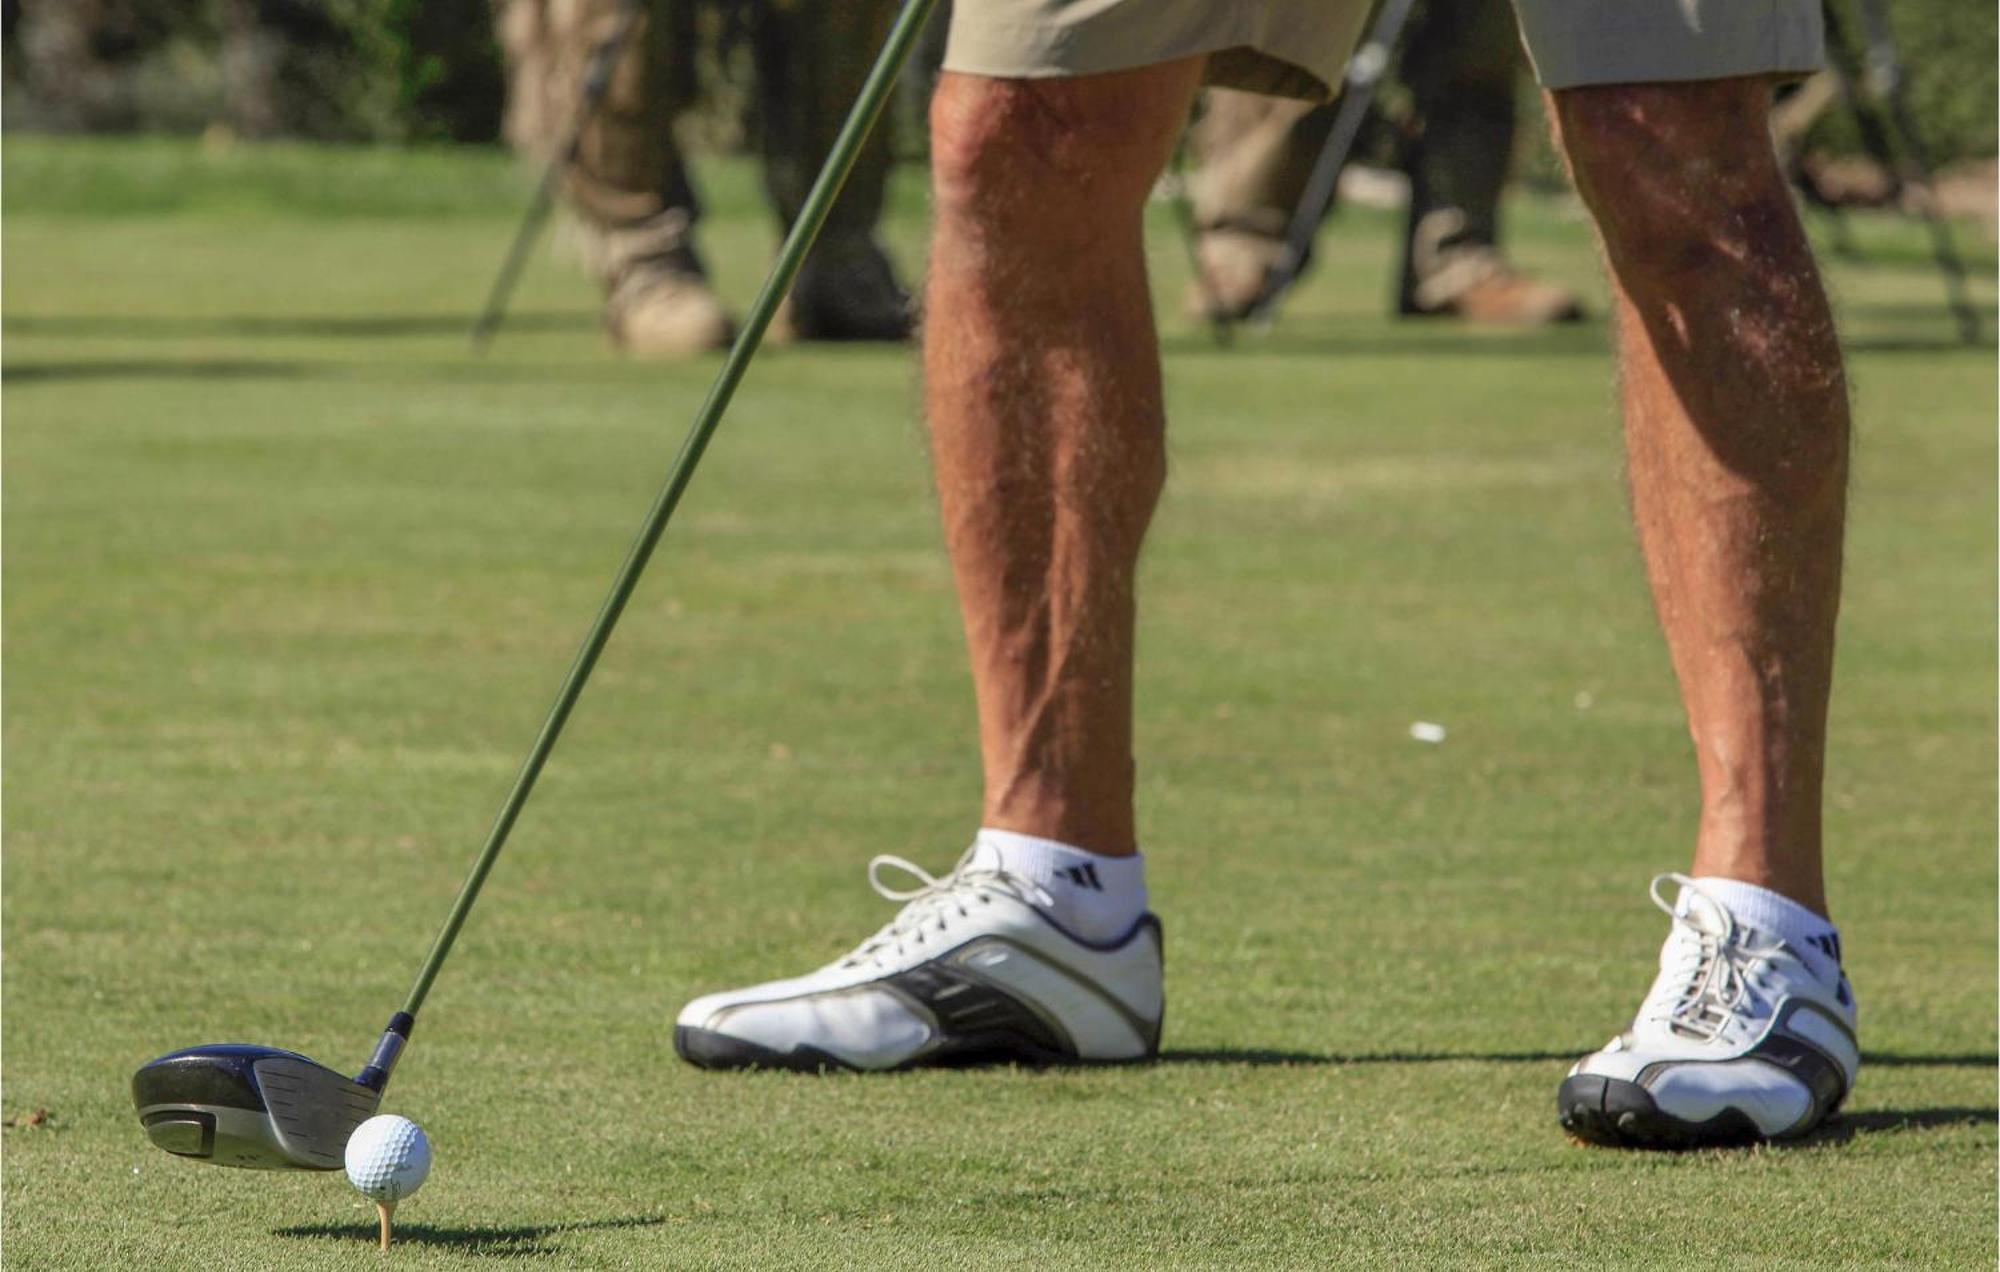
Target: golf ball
(388, 1157)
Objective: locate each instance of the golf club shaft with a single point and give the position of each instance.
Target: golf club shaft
(1364, 76)
(596, 83)
(832, 175)
(538, 211)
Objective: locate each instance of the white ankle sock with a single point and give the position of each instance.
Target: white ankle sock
(1095, 897)
(1816, 941)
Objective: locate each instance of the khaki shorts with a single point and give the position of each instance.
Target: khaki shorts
(1297, 48)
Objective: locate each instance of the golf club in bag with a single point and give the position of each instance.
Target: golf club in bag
(235, 1104)
(596, 83)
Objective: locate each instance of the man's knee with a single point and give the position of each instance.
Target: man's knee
(1051, 148)
(1680, 177)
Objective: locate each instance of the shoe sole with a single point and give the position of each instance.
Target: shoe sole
(708, 1049)
(1614, 1113)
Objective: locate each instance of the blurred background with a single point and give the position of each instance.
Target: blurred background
(290, 574)
(424, 71)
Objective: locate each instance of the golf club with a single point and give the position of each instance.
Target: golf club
(1364, 76)
(596, 82)
(235, 1104)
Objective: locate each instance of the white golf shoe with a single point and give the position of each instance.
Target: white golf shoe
(1739, 1040)
(970, 970)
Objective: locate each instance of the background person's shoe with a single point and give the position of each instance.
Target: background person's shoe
(845, 291)
(663, 309)
(1479, 286)
(1739, 1040)
(969, 971)
(1234, 264)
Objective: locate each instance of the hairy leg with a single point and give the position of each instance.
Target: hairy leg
(1042, 386)
(1736, 425)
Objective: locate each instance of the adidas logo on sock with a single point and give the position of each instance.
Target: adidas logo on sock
(1083, 876)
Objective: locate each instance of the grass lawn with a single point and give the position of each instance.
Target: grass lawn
(290, 578)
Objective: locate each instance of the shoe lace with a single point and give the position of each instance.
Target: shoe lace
(1704, 973)
(928, 904)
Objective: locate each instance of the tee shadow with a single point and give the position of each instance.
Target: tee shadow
(512, 1242)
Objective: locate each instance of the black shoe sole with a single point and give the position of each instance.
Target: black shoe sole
(707, 1049)
(1614, 1113)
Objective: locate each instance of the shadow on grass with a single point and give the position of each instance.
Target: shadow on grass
(1942, 1060)
(327, 326)
(1260, 1057)
(517, 1241)
(1915, 344)
(152, 369)
(1309, 341)
(1263, 1057)
(1312, 339)
(1849, 1126)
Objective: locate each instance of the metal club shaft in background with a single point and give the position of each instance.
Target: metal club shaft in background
(596, 83)
(826, 188)
(1364, 76)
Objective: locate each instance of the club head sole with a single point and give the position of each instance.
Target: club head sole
(257, 1108)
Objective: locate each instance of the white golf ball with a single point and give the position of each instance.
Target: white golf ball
(388, 1157)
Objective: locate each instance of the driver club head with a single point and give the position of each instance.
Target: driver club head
(236, 1104)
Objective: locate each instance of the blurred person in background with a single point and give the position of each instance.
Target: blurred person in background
(1460, 62)
(629, 185)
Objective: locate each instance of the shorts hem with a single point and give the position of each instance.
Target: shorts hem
(1780, 39)
(1234, 50)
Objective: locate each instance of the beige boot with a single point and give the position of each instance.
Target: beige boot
(1510, 298)
(1234, 264)
(1476, 284)
(662, 309)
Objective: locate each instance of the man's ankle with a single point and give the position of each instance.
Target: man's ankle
(1094, 896)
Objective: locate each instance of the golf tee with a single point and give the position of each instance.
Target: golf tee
(383, 1209)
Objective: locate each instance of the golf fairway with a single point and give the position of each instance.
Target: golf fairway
(290, 579)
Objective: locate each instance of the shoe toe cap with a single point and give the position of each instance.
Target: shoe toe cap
(1613, 1062)
(1694, 1093)
(1701, 1092)
(862, 1027)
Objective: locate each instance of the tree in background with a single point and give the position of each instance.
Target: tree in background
(428, 70)
(337, 70)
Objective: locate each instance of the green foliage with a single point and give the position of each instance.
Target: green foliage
(1951, 61)
(430, 70)
(449, 75)
(326, 70)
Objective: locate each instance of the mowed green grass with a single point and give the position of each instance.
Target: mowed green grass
(290, 579)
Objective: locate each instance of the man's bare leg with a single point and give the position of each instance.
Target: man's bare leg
(1736, 428)
(1042, 380)
(1042, 385)
(1736, 434)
